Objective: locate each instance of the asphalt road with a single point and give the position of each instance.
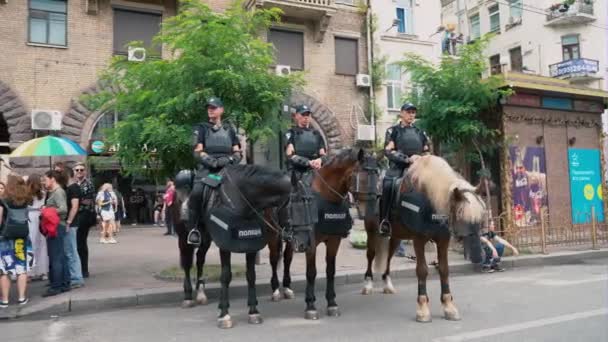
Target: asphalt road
(556, 303)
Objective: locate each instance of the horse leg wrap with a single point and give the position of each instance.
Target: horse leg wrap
(445, 288)
(422, 289)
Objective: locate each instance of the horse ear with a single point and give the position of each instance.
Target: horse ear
(361, 155)
(457, 195)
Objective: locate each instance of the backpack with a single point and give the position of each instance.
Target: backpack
(16, 224)
(107, 198)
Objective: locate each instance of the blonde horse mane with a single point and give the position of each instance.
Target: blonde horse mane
(434, 177)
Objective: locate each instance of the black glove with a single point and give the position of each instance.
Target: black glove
(324, 160)
(300, 161)
(209, 161)
(236, 157)
(223, 161)
(398, 157)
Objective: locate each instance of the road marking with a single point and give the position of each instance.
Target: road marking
(521, 326)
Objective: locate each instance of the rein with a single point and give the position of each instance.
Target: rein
(334, 191)
(272, 226)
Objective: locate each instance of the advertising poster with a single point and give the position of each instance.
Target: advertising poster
(529, 187)
(585, 184)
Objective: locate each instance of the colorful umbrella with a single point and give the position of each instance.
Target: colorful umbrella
(48, 146)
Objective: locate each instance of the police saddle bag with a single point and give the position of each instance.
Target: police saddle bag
(333, 218)
(416, 212)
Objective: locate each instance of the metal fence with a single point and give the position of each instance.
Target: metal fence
(553, 232)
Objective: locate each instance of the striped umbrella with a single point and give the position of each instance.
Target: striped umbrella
(48, 146)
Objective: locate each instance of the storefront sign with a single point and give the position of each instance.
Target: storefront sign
(585, 184)
(574, 67)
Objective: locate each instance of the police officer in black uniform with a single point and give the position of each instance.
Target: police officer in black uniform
(401, 142)
(215, 146)
(305, 151)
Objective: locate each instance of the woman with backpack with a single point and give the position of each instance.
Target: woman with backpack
(16, 255)
(41, 255)
(106, 202)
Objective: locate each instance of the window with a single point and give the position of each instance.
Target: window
(48, 22)
(131, 26)
(570, 47)
(494, 19)
(515, 8)
(556, 103)
(516, 59)
(495, 65)
(475, 29)
(347, 56)
(404, 16)
(289, 48)
(105, 122)
(393, 86)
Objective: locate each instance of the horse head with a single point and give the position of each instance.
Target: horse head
(334, 179)
(364, 186)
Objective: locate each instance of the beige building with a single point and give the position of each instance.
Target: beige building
(53, 51)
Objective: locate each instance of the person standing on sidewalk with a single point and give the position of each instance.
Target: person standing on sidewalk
(15, 246)
(120, 212)
(168, 202)
(106, 201)
(86, 215)
(71, 250)
(41, 266)
(56, 198)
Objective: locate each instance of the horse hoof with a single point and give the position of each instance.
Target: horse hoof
(333, 311)
(389, 290)
(276, 296)
(452, 315)
(225, 322)
(201, 299)
(424, 318)
(366, 291)
(288, 293)
(255, 319)
(312, 315)
(423, 312)
(186, 304)
(388, 286)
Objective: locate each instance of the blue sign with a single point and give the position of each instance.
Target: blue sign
(98, 146)
(585, 185)
(581, 66)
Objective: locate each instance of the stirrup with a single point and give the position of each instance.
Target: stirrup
(385, 229)
(194, 238)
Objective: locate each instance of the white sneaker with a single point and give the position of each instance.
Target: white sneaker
(112, 240)
(103, 240)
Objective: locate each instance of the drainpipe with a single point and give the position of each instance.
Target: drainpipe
(370, 58)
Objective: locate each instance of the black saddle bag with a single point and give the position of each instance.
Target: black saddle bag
(234, 233)
(417, 214)
(333, 218)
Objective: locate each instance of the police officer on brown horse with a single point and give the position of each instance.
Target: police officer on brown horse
(215, 146)
(305, 151)
(401, 142)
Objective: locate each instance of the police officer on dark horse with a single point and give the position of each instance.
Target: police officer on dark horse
(402, 141)
(216, 145)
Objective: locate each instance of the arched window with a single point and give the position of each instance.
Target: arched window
(107, 120)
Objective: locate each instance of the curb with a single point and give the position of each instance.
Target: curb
(81, 303)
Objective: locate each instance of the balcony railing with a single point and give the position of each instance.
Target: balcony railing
(580, 12)
(581, 68)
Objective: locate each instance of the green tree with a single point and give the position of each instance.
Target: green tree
(455, 103)
(211, 54)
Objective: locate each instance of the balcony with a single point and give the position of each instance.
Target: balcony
(576, 70)
(581, 12)
(319, 11)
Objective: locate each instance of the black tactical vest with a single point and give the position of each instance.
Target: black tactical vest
(217, 141)
(409, 141)
(306, 143)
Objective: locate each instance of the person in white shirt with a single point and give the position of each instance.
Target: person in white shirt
(106, 202)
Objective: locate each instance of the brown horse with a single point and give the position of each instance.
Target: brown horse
(332, 183)
(449, 194)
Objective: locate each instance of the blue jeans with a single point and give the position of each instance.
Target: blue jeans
(401, 249)
(73, 259)
(488, 260)
(59, 272)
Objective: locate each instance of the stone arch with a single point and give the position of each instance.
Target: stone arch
(324, 117)
(79, 121)
(16, 116)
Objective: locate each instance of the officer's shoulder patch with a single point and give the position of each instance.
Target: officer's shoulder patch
(390, 130)
(288, 135)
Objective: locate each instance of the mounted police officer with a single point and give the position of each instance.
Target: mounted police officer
(305, 152)
(215, 146)
(401, 142)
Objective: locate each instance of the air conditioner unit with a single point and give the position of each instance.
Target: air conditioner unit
(92, 6)
(283, 70)
(46, 120)
(366, 132)
(136, 54)
(364, 80)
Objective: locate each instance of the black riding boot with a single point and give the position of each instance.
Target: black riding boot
(194, 214)
(386, 200)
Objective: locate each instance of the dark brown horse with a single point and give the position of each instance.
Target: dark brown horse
(332, 183)
(449, 194)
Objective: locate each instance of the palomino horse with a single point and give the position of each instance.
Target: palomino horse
(247, 190)
(450, 195)
(332, 183)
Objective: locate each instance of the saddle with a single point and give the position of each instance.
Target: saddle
(230, 230)
(414, 210)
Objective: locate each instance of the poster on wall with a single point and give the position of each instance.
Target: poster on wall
(529, 186)
(585, 185)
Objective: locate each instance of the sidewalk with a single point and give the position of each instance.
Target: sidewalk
(123, 275)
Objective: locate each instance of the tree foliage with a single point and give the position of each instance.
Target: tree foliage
(453, 100)
(211, 54)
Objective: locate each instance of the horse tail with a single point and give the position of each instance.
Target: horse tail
(381, 257)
